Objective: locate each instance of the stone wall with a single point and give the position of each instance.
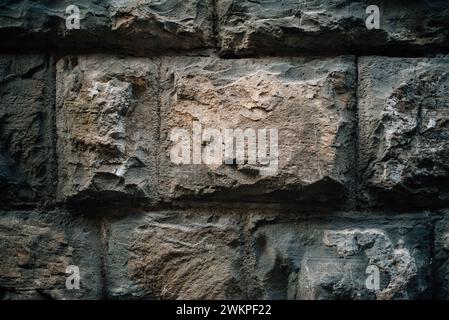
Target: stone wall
(86, 177)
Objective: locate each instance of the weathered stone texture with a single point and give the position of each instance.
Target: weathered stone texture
(309, 101)
(205, 254)
(403, 128)
(26, 130)
(121, 145)
(175, 256)
(292, 26)
(107, 124)
(327, 258)
(35, 254)
(126, 25)
(441, 258)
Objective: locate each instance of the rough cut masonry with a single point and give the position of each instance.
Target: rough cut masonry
(86, 178)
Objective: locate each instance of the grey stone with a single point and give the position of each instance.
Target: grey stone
(441, 258)
(328, 258)
(291, 26)
(403, 129)
(37, 248)
(126, 25)
(26, 130)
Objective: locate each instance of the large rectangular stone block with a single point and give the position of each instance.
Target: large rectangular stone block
(404, 129)
(36, 250)
(107, 124)
(292, 26)
(175, 255)
(346, 256)
(27, 171)
(126, 25)
(309, 103)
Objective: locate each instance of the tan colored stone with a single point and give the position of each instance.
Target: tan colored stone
(174, 256)
(309, 101)
(107, 126)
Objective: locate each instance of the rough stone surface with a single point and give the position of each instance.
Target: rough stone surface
(404, 128)
(327, 258)
(174, 256)
(36, 250)
(291, 26)
(107, 126)
(126, 25)
(26, 130)
(120, 149)
(441, 258)
(309, 101)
